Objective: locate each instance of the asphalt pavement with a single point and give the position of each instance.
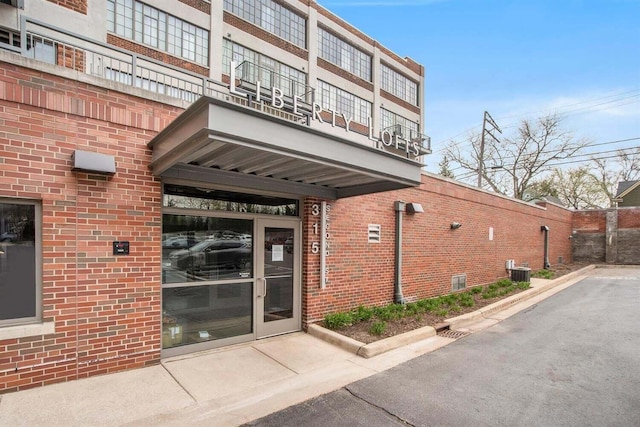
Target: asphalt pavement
(569, 360)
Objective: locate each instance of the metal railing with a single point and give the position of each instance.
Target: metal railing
(57, 46)
(53, 45)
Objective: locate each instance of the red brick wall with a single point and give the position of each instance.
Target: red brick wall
(594, 221)
(155, 54)
(363, 273)
(106, 309)
(256, 31)
(629, 218)
(75, 5)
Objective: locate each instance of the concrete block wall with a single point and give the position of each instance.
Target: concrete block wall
(494, 229)
(607, 236)
(105, 309)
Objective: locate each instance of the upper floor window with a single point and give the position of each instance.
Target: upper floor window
(332, 98)
(19, 276)
(399, 124)
(147, 25)
(399, 85)
(272, 17)
(344, 55)
(257, 67)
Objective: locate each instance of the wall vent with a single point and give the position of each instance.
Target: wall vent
(375, 233)
(458, 282)
(560, 260)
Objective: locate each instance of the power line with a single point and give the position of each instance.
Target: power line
(586, 146)
(559, 110)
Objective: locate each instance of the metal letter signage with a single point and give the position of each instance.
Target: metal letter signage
(383, 139)
(321, 247)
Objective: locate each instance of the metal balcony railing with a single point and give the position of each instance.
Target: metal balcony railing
(54, 45)
(406, 133)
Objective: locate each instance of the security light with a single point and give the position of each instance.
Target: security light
(414, 208)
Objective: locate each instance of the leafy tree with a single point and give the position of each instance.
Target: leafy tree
(511, 164)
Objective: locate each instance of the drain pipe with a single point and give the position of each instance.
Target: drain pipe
(545, 228)
(398, 298)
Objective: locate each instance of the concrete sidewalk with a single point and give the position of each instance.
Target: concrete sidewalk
(229, 386)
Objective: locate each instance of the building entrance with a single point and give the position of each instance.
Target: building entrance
(278, 278)
(231, 270)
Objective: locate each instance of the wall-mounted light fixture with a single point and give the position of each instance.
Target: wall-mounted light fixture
(414, 208)
(455, 225)
(93, 162)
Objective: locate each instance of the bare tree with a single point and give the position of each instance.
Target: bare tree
(512, 163)
(607, 173)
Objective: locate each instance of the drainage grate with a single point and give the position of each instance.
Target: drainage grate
(448, 333)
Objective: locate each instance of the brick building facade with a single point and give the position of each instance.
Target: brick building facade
(226, 218)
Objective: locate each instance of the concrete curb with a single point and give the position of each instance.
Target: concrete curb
(382, 346)
(372, 349)
(481, 314)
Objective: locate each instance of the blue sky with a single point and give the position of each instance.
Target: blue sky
(516, 59)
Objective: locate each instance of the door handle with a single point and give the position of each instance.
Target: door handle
(264, 287)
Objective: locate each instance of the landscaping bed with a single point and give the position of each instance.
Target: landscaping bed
(370, 324)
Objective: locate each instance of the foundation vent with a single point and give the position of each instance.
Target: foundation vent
(458, 282)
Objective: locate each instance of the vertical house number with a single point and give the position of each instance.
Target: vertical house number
(321, 228)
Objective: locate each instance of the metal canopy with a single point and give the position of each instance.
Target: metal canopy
(222, 143)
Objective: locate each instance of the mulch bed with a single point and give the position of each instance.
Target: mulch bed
(360, 331)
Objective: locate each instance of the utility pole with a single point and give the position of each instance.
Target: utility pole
(486, 119)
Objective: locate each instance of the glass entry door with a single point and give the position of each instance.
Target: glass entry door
(277, 277)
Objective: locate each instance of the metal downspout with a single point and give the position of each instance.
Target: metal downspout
(547, 265)
(398, 298)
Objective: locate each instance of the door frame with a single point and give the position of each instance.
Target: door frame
(266, 329)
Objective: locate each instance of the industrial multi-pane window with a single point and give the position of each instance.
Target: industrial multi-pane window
(150, 26)
(398, 85)
(272, 17)
(344, 55)
(394, 122)
(19, 264)
(330, 97)
(253, 66)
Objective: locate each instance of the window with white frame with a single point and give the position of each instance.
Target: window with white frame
(330, 97)
(272, 17)
(254, 66)
(398, 85)
(344, 55)
(19, 262)
(147, 25)
(393, 122)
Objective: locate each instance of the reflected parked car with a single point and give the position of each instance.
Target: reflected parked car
(8, 237)
(178, 242)
(210, 254)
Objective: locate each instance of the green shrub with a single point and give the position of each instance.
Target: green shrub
(442, 312)
(543, 274)
(335, 321)
(504, 283)
(362, 314)
(378, 328)
(466, 300)
(523, 285)
(476, 290)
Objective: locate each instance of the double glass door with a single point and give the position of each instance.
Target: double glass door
(277, 285)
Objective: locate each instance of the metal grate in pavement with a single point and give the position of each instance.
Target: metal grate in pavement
(448, 333)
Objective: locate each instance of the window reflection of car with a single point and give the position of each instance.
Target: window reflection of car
(8, 237)
(288, 245)
(210, 254)
(177, 242)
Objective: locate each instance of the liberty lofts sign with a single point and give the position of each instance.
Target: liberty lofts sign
(297, 105)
